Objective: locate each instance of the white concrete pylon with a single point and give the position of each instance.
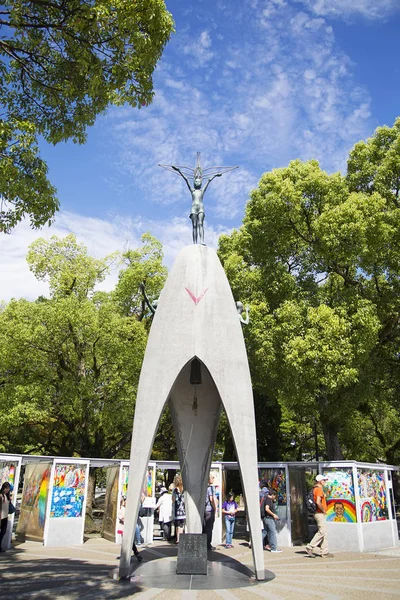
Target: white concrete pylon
(196, 317)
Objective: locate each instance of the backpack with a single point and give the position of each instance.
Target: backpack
(310, 503)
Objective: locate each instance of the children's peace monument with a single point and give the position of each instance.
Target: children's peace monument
(196, 362)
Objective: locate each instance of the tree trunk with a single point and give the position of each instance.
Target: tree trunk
(90, 526)
(333, 449)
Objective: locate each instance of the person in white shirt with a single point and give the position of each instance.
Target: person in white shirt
(164, 507)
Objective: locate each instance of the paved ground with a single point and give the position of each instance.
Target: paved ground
(31, 571)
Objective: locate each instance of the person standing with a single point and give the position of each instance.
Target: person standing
(263, 493)
(5, 499)
(179, 507)
(270, 519)
(229, 509)
(320, 538)
(164, 507)
(121, 524)
(209, 512)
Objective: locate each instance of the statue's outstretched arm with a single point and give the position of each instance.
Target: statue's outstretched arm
(239, 308)
(143, 290)
(246, 321)
(210, 180)
(177, 169)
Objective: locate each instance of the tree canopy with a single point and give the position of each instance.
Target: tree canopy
(70, 363)
(317, 258)
(61, 64)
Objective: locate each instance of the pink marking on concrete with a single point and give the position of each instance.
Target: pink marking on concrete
(195, 299)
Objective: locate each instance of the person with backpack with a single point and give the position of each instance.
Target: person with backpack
(270, 519)
(263, 494)
(209, 511)
(320, 538)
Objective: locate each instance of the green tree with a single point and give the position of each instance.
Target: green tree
(142, 265)
(317, 259)
(63, 63)
(70, 364)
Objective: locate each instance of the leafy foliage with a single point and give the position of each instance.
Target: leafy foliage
(317, 258)
(63, 63)
(70, 364)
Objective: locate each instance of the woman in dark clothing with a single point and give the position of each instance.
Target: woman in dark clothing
(5, 499)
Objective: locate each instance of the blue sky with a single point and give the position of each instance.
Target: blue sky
(253, 83)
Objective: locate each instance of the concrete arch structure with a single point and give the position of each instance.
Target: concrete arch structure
(196, 317)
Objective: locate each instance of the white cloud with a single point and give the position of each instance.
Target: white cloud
(101, 237)
(350, 9)
(285, 90)
(200, 49)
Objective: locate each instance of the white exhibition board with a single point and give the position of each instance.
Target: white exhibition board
(10, 469)
(148, 490)
(216, 470)
(66, 506)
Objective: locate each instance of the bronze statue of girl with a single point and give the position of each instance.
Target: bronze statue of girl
(197, 213)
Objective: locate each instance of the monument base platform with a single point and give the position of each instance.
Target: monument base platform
(223, 573)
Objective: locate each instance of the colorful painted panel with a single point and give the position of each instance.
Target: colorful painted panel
(68, 491)
(149, 489)
(149, 484)
(110, 503)
(372, 490)
(339, 491)
(125, 481)
(275, 479)
(34, 500)
(7, 472)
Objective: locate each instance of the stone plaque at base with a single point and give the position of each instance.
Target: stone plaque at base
(192, 554)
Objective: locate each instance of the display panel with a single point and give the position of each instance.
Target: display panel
(111, 503)
(149, 483)
(7, 472)
(68, 491)
(34, 500)
(275, 479)
(339, 491)
(372, 491)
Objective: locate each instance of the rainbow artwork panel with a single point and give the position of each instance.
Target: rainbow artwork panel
(366, 511)
(7, 472)
(372, 490)
(150, 481)
(125, 481)
(339, 491)
(68, 491)
(34, 500)
(276, 479)
(149, 484)
(341, 510)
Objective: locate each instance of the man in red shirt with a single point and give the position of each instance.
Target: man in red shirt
(320, 538)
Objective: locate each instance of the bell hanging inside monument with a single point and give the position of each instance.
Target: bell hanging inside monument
(195, 372)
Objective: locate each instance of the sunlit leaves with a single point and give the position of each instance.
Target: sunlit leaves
(62, 64)
(321, 254)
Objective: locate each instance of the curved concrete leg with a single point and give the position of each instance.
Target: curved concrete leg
(144, 431)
